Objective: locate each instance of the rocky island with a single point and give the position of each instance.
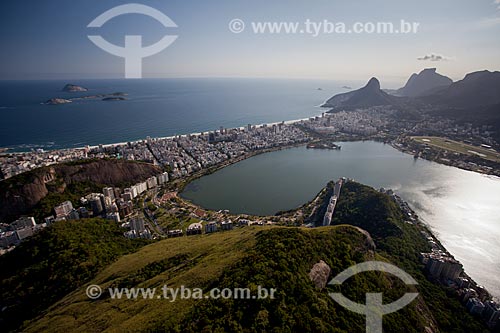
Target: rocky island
(57, 101)
(74, 88)
(116, 96)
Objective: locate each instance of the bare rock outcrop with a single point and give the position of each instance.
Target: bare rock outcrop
(319, 274)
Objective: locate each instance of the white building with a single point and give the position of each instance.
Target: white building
(63, 209)
(162, 178)
(109, 192)
(152, 182)
(131, 190)
(140, 188)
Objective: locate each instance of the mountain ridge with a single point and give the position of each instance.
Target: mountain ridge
(425, 81)
(369, 95)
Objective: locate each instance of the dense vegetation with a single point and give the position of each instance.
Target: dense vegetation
(282, 259)
(54, 262)
(402, 243)
(71, 253)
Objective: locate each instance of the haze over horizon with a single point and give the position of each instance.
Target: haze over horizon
(49, 40)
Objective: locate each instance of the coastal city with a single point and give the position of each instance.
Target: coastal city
(139, 208)
(173, 166)
(183, 155)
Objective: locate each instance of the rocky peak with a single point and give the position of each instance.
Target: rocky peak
(373, 84)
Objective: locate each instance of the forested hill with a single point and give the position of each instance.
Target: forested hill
(272, 257)
(41, 189)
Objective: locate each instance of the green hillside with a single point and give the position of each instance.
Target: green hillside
(54, 262)
(271, 257)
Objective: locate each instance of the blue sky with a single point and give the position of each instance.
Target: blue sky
(43, 39)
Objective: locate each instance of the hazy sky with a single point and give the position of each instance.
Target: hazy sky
(48, 39)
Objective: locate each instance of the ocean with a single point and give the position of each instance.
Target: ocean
(154, 107)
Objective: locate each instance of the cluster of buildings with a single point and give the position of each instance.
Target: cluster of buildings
(478, 302)
(16, 163)
(137, 228)
(113, 204)
(209, 227)
(363, 122)
(181, 155)
(184, 155)
(12, 234)
(467, 132)
(441, 266)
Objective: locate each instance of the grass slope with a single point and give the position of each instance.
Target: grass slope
(54, 262)
(273, 257)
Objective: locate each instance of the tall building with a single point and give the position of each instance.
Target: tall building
(163, 178)
(109, 192)
(117, 191)
(491, 313)
(442, 266)
(140, 188)
(63, 209)
(211, 137)
(127, 196)
(131, 190)
(210, 227)
(475, 306)
(96, 203)
(137, 224)
(152, 182)
(125, 208)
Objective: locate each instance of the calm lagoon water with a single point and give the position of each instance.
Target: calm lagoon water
(461, 207)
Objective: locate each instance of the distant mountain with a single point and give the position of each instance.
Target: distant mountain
(369, 95)
(423, 83)
(476, 89)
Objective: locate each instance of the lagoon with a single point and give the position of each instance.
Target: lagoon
(462, 208)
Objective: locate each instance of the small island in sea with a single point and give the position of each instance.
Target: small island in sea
(57, 101)
(116, 96)
(74, 88)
